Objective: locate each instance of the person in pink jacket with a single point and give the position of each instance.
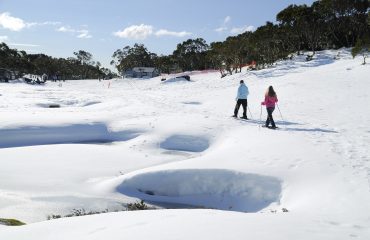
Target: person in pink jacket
(270, 100)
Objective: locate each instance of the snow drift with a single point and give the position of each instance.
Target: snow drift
(175, 145)
(185, 143)
(205, 188)
(73, 133)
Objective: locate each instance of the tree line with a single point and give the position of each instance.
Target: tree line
(326, 24)
(79, 67)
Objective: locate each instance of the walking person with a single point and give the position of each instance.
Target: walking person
(241, 99)
(270, 100)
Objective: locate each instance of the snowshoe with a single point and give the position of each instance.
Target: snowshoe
(269, 127)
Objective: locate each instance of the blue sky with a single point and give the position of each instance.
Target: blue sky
(60, 27)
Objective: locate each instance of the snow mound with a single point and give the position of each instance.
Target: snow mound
(186, 143)
(206, 188)
(176, 79)
(74, 133)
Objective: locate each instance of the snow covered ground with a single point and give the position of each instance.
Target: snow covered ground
(174, 144)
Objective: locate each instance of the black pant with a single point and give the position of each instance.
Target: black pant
(269, 117)
(242, 102)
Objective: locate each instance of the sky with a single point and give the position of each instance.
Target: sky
(60, 27)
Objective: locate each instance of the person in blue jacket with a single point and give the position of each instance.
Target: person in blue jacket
(241, 99)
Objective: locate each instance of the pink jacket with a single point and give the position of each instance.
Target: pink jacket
(269, 101)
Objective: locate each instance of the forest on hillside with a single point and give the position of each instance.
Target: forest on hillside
(79, 67)
(326, 24)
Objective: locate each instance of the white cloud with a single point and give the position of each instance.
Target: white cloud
(221, 29)
(17, 24)
(139, 32)
(240, 30)
(30, 50)
(227, 19)
(23, 45)
(65, 29)
(47, 23)
(17, 45)
(142, 31)
(3, 38)
(27, 47)
(11, 23)
(164, 32)
(83, 33)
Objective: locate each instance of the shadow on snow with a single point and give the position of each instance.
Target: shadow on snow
(204, 188)
(74, 133)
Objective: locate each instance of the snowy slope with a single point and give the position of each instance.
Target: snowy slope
(174, 144)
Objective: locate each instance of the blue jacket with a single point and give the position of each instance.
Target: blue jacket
(242, 92)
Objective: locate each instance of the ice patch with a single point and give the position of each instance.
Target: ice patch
(75, 133)
(186, 143)
(207, 188)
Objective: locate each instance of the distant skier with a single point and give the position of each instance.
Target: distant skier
(270, 100)
(241, 99)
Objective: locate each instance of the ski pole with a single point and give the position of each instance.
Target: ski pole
(280, 112)
(249, 110)
(259, 125)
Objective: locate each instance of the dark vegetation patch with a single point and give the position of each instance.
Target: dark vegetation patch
(139, 205)
(11, 222)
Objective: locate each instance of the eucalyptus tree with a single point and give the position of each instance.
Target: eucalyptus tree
(191, 54)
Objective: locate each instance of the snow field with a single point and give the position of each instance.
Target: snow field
(174, 145)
